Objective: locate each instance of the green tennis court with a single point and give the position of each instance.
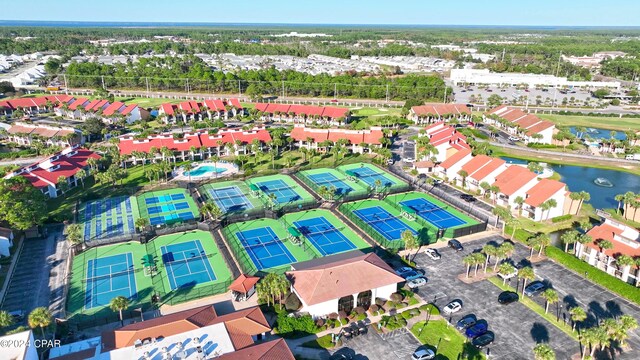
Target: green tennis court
(432, 212)
(279, 190)
(139, 271)
(265, 244)
(324, 231)
(167, 207)
(231, 196)
(373, 177)
(336, 183)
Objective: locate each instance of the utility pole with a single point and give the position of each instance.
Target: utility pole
(102, 77)
(445, 94)
(66, 86)
(188, 86)
(387, 95)
(503, 53)
(283, 89)
(335, 91)
(239, 88)
(146, 79)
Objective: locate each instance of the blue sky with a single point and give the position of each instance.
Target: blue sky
(423, 12)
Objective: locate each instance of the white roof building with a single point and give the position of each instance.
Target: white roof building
(485, 77)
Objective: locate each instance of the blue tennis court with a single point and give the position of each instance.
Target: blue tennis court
(283, 192)
(230, 199)
(383, 222)
(164, 198)
(158, 209)
(324, 236)
(432, 213)
(108, 277)
(330, 181)
(264, 248)
(187, 264)
(369, 176)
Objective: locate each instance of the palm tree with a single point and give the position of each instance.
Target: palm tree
(141, 223)
(619, 198)
(187, 168)
(212, 209)
(584, 196)
(479, 258)
(514, 223)
(504, 250)
(489, 250)
(410, 240)
(118, 304)
(74, 233)
(548, 205)
(501, 213)
(604, 245)
(583, 239)
(519, 200)
(626, 323)
(624, 261)
(505, 269)
(39, 317)
(550, 296)
(577, 314)
(526, 274)
(469, 261)
(6, 319)
(568, 238)
(543, 352)
(463, 174)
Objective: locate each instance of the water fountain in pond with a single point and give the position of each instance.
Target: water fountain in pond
(604, 182)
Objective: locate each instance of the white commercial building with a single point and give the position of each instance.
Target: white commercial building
(485, 77)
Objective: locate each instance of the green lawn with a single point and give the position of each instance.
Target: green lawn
(449, 343)
(611, 123)
(145, 102)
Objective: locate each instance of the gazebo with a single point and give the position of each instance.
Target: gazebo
(243, 287)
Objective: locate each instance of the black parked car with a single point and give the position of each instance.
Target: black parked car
(507, 297)
(483, 340)
(465, 322)
(455, 245)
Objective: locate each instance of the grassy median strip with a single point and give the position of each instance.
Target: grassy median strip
(566, 328)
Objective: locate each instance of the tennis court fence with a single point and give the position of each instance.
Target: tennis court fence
(241, 216)
(297, 206)
(347, 211)
(79, 321)
(242, 257)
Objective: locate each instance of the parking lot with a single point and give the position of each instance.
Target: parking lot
(398, 344)
(517, 328)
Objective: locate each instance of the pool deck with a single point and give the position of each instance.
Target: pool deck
(230, 169)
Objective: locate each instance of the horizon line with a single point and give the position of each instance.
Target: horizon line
(173, 23)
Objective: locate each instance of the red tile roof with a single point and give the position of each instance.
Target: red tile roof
(65, 163)
(487, 169)
(168, 109)
(513, 179)
(531, 123)
(79, 102)
(336, 279)
(271, 350)
(608, 232)
(543, 191)
(326, 111)
(475, 164)
(455, 158)
(127, 110)
(128, 144)
(441, 109)
(244, 283)
(113, 108)
(235, 103)
(372, 137)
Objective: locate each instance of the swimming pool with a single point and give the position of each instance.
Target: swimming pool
(204, 170)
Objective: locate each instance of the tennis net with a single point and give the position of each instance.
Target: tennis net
(426, 211)
(108, 276)
(270, 189)
(202, 256)
(331, 230)
(375, 221)
(216, 196)
(262, 244)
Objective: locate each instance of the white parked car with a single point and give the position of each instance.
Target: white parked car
(452, 307)
(432, 253)
(423, 354)
(416, 283)
(510, 275)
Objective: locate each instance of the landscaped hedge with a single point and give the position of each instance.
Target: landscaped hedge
(561, 218)
(598, 276)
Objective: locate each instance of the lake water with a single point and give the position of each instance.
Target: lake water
(597, 133)
(580, 178)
